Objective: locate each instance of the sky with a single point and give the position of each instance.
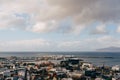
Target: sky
(59, 25)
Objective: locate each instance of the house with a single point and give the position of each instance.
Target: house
(116, 68)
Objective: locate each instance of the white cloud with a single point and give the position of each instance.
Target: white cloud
(69, 43)
(43, 27)
(107, 41)
(118, 29)
(83, 12)
(11, 21)
(77, 29)
(59, 16)
(100, 29)
(24, 45)
(65, 45)
(90, 44)
(9, 9)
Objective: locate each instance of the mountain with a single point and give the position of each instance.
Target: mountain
(109, 49)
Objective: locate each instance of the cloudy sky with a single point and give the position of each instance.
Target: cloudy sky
(59, 25)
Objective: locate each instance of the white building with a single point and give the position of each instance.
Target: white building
(116, 68)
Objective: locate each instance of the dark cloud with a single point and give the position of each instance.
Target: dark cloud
(82, 12)
(85, 11)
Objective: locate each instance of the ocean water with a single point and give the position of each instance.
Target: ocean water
(97, 58)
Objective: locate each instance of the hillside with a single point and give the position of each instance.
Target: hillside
(109, 49)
